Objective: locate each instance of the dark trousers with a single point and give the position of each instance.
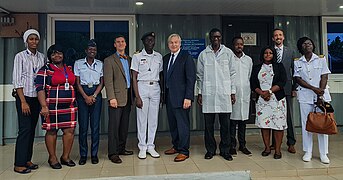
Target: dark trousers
(241, 133)
(118, 126)
(26, 133)
(89, 115)
(290, 129)
(210, 141)
(179, 127)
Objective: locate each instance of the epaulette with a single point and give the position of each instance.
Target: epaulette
(321, 56)
(137, 52)
(296, 59)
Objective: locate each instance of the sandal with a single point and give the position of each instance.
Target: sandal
(24, 171)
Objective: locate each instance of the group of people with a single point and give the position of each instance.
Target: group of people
(225, 79)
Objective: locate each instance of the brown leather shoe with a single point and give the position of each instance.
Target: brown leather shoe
(116, 159)
(180, 157)
(170, 151)
(291, 149)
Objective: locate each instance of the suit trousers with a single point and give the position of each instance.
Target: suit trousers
(179, 126)
(118, 126)
(89, 115)
(241, 133)
(147, 116)
(210, 141)
(26, 134)
(323, 139)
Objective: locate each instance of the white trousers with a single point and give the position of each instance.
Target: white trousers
(147, 116)
(323, 139)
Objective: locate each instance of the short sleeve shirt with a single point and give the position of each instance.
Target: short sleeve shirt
(89, 74)
(147, 65)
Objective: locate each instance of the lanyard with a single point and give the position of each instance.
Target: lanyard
(65, 72)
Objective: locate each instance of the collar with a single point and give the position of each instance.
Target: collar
(240, 57)
(94, 62)
(220, 48)
(120, 55)
(144, 53)
(175, 54)
(28, 52)
(281, 47)
(314, 56)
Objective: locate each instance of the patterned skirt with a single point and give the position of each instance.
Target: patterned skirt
(62, 112)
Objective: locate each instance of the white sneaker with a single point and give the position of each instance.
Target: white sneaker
(324, 159)
(142, 154)
(307, 157)
(153, 153)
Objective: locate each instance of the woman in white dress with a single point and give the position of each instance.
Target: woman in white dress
(268, 80)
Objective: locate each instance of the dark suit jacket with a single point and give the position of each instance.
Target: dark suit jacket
(114, 79)
(181, 80)
(288, 63)
(278, 79)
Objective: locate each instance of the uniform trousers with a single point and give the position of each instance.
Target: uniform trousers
(323, 139)
(26, 134)
(118, 126)
(147, 116)
(89, 115)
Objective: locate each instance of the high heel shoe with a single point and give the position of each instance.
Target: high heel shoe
(55, 166)
(69, 163)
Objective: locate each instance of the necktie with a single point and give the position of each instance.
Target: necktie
(278, 54)
(123, 56)
(171, 62)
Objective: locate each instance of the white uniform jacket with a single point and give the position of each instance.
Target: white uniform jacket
(311, 72)
(243, 67)
(215, 77)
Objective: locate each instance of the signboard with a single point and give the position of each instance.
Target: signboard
(22, 22)
(193, 46)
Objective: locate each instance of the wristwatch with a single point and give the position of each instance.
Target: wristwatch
(321, 97)
(270, 91)
(94, 95)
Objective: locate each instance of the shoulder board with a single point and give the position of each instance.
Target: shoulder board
(137, 52)
(296, 59)
(321, 56)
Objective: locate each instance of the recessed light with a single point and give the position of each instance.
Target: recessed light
(341, 7)
(139, 3)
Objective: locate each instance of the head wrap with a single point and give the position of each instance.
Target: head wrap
(29, 32)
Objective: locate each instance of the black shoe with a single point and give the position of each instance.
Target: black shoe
(277, 156)
(126, 152)
(25, 171)
(83, 160)
(245, 151)
(32, 166)
(226, 156)
(69, 163)
(265, 153)
(115, 159)
(209, 155)
(233, 152)
(55, 166)
(95, 159)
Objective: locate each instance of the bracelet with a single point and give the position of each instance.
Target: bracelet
(270, 91)
(94, 95)
(321, 97)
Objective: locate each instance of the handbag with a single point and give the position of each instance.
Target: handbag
(321, 122)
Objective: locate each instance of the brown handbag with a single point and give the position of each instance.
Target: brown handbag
(321, 123)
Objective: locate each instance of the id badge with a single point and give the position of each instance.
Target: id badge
(66, 86)
(90, 85)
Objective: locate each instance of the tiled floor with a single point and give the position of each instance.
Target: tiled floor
(290, 167)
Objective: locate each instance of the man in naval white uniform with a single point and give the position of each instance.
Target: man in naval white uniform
(146, 67)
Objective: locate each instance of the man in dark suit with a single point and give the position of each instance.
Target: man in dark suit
(179, 81)
(117, 78)
(286, 56)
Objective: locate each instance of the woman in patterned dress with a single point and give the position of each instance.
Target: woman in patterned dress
(268, 80)
(55, 87)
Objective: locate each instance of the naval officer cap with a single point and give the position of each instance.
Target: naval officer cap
(152, 34)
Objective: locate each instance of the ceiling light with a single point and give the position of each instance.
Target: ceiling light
(139, 3)
(341, 7)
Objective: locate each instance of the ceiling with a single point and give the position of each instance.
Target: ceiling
(213, 7)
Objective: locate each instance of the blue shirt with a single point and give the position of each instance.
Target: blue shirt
(89, 74)
(126, 67)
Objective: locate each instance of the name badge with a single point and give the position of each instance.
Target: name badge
(66, 86)
(143, 61)
(90, 85)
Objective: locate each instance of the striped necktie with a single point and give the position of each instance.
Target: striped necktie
(278, 54)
